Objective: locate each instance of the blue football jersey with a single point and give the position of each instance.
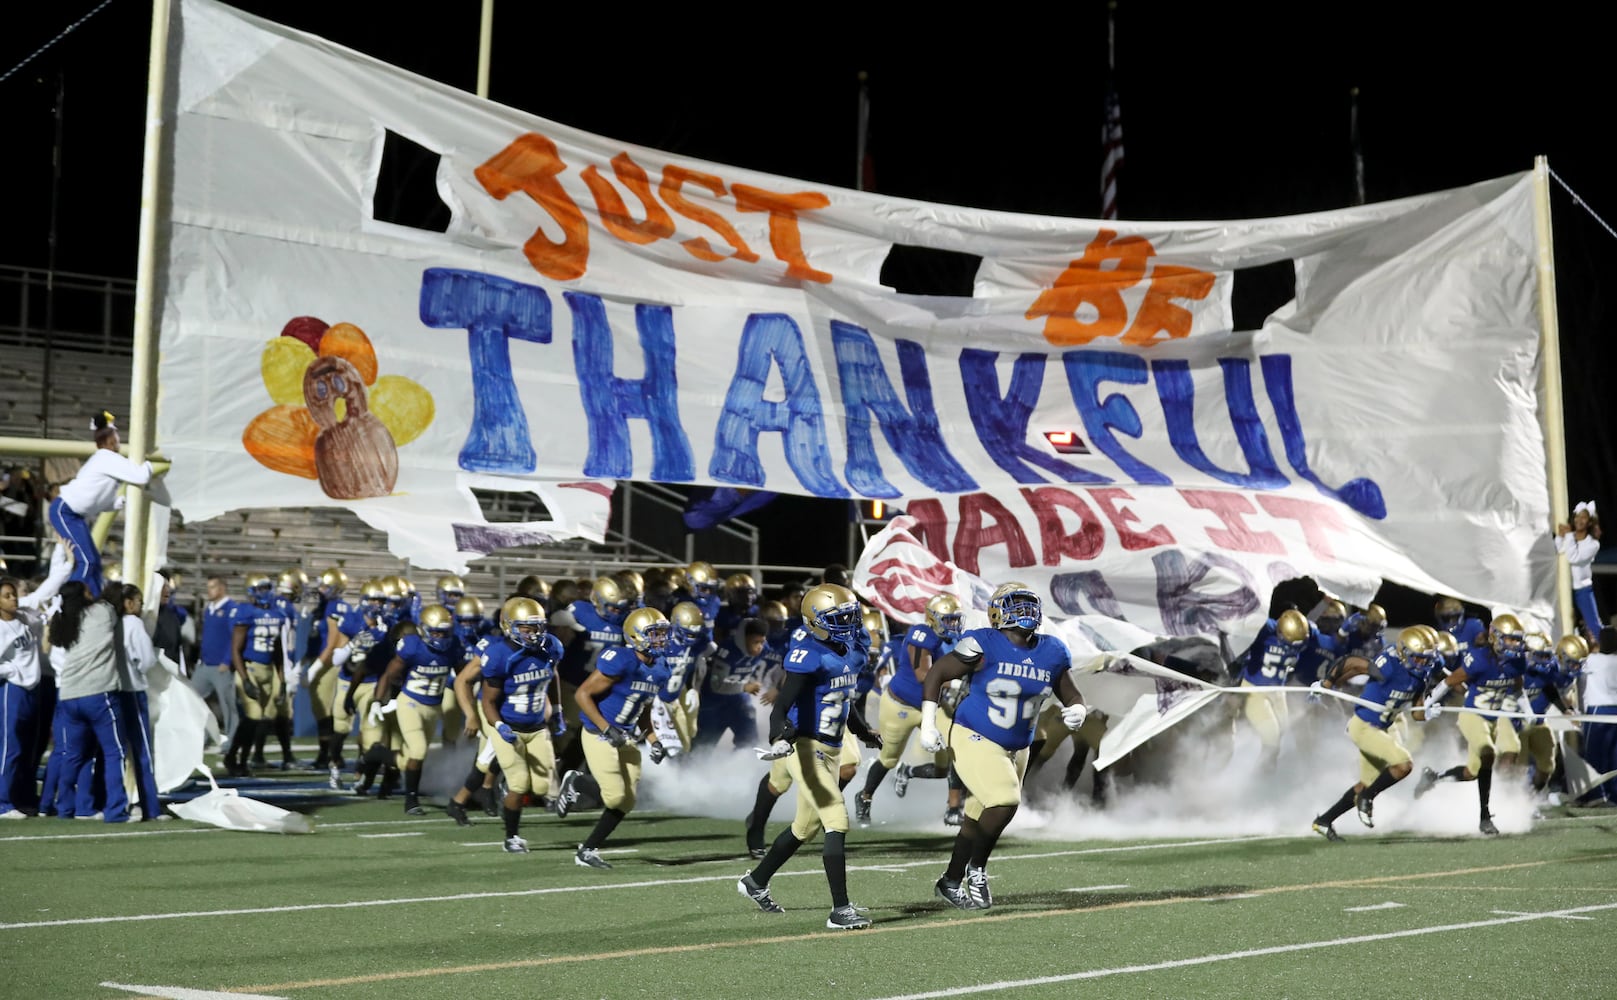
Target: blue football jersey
(904, 686)
(1397, 687)
(426, 670)
(730, 668)
(634, 684)
(521, 678)
(1467, 631)
(264, 628)
(1009, 684)
(581, 653)
(830, 677)
(363, 638)
(1270, 658)
(1489, 677)
(218, 632)
(1540, 677)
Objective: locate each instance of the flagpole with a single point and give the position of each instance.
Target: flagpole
(1358, 150)
(1554, 422)
(864, 132)
(485, 46)
(143, 368)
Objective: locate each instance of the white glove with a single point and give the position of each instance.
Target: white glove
(340, 655)
(118, 502)
(294, 679)
(380, 712)
(316, 667)
(775, 751)
(931, 739)
(1433, 711)
(1073, 716)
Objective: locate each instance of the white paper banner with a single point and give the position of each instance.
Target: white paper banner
(601, 311)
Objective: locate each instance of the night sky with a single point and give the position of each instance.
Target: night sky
(1223, 117)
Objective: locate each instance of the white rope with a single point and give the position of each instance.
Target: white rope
(1577, 200)
(1444, 709)
(63, 34)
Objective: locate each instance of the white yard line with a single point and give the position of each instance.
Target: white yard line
(379, 836)
(1377, 906)
(1094, 888)
(556, 890)
(1230, 956)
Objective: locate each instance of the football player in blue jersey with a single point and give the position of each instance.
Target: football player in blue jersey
(329, 612)
(362, 644)
(421, 670)
(702, 589)
(807, 727)
(585, 628)
(740, 603)
(451, 589)
(1467, 630)
(1551, 678)
(688, 655)
(1361, 633)
(1397, 678)
(733, 676)
(518, 706)
(289, 590)
(899, 712)
(1010, 669)
(1324, 640)
(615, 702)
(260, 634)
(1268, 662)
(1492, 676)
(470, 625)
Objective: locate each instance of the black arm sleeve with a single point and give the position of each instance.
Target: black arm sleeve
(856, 718)
(791, 688)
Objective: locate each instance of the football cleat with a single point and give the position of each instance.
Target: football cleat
(758, 894)
(490, 797)
(457, 812)
(1487, 827)
(954, 816)
(901, 780)
(861, 809)
(977, 888)
(413, 807)
(589, 857)
(1365, 808)
(334, 777)
(1327, 831)
(566, 796)
(1428, 778)
(847, 918)
(516, 845)
(953, 893)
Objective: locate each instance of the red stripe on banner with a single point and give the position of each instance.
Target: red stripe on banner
(600, 489)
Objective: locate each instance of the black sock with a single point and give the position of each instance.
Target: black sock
(1343, 804)
(836, 867)
(610, 818)
(283, 732)
(1383, 781)
(412, 783)
(780, 852)
(337, 740)
(926, 771)
(474, 782)
(1457, 772)
(964, 841)
(324, 731)
(873, 780)
(954, 779)
(513, 819)
(1484, 788)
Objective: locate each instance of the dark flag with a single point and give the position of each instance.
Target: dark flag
(708, 507)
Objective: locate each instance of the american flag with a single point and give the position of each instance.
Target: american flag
(1111, 133)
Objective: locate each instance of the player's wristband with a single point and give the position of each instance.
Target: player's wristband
(929, 714)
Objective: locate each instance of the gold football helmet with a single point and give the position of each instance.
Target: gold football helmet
(687, 621)
(1376, 615)
(523, 621)
(372, 591)
(1015, 605)
(390, 586)
(1447, 645)
(291, 583)
(876, 626)
(831, 612)
(677, 580)
(612, 601)
(1334, 609)
(451, 588)
(647, 631)
(742, 589)
(1450, 612)
(333, 582)
(773, 612)
(1538, 645)
(437, 627)
(1292, 627)
(944, 617)
(468, 610)
(702, 578)
(1572, 650)
(632, 579)
(1416, 645)
(1507, 634)
(260, 588)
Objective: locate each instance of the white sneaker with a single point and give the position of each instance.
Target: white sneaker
(94, 816)
(135, 815)
(516, 845)
(13, 814)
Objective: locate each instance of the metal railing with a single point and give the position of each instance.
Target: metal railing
(89, 312)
